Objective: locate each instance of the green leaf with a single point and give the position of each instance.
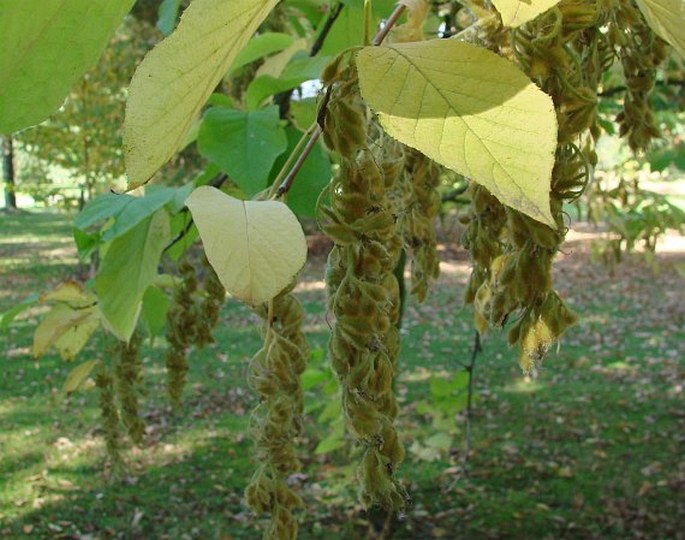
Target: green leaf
(329, 444)
(179, 223)
(311, 9)
(173, 82)
(77, 376)
(312, 377)
(439, 441)
(261, 46)
(348, 30)
(127, 210)
(469, 110)
(296, 72)
(100, 209)
(303, 112)
(244, 144)
(255, 247)
(8, 316)
(86, 243)
(167, 15)
(155, 307)
(516, 12)
(461, 380)
(439, 388)
(46, 47)
(314, 175)
(127, 270)
(667, 19)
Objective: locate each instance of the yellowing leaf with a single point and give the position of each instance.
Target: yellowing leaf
(255, 247)
(66, 329)
(70, 293)
(469, 110)
(516, 12)
(78, 375)
(177, 77)
(46, 47)
(412, 30)
(667, 19)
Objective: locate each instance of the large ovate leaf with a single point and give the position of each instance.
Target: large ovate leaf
(667, 19)
(46, 47)
(255, 247)
(177, 77)
(470, 110)
(516, 12)
(243, 144)
(128, 268)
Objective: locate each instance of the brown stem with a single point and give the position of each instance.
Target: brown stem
(392, 20)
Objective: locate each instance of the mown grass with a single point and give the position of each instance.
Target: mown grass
(592, 448)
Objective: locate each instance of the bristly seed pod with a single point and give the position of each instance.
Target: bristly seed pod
(275, 373)
(128, 375)
(362, 220)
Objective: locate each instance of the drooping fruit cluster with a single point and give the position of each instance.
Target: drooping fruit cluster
(210, 306)
(275, 374)
(128, 375)
(641, 51)
(104, 381)
(180, 332)
(565, 51)
(191, 318)
(363, 293)
(418, 210)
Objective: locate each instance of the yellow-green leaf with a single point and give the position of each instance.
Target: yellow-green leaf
(412, 30)
(66, 329)
(667, 19)
(516, 12)
(127, 269)
(177, 77)
(470, 110)
(255, 247)
(47, 45)
(71, 293)
(78, 375)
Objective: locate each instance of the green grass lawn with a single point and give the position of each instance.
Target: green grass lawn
(594, 447)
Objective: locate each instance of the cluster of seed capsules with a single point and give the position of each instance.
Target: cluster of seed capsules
(190, 320)
(565, 51)
(128, 372)
(275, 423)
(419, 208)
(104, 382)
(359, 215)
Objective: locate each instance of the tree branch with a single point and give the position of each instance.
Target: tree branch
(609, 92)
(316, 133)
(283, 99)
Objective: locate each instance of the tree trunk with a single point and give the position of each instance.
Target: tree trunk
(8, 173)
